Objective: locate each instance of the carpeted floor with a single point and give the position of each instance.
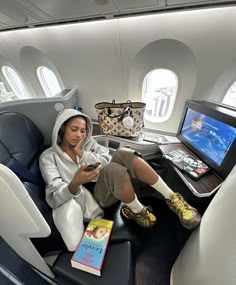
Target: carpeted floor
(160, 247)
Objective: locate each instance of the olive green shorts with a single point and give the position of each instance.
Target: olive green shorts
(111, 178)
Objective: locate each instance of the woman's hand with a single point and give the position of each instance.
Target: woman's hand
(82, 177)
(78, 148)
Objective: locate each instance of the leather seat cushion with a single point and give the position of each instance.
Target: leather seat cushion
(116, 269)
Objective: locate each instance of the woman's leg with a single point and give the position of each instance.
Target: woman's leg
(144, 172)
(139, 168)
(188, 215)
(114, 184)
(132, 208)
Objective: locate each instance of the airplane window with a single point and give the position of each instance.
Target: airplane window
(48, 81)
(159, 93)
(230, 97)
(5, 95)
(15, 82)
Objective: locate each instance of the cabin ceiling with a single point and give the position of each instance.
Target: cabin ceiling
(17, 14)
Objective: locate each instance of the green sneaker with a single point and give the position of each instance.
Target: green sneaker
(145, 218)
(189, 216)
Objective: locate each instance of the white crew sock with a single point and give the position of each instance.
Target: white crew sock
(135, 205)
(162, 188)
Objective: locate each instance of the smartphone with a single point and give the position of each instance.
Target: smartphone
(91, 167)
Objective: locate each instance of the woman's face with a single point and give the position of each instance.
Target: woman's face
(75, 131)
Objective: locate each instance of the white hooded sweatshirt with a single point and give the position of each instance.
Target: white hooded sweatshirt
(70, 210)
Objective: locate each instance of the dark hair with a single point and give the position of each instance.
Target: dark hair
(63, 126)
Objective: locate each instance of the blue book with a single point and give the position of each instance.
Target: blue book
(91, 250)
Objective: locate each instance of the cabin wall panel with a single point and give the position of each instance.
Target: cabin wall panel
(30, 59)
(196, 29)
(212, 52)
(102, 58)
(179, 56)
(87, 56)
(43, 112)
(93, 63)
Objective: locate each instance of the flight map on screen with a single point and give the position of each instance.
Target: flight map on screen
(210, 136)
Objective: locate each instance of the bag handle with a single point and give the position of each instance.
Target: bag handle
(133, 105)
(107, 112)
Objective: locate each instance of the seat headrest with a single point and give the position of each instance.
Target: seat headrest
(20, 138)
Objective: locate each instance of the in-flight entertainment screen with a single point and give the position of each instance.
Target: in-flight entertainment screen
(210, 136)
(208, 129)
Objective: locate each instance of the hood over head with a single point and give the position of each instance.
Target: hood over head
(65, 115)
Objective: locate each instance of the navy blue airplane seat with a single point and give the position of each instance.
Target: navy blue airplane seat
(21, 144)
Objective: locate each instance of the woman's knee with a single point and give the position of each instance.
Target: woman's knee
(113, 168)
(137, 160)
(117, 173)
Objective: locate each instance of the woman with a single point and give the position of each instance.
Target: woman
(63, 167)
